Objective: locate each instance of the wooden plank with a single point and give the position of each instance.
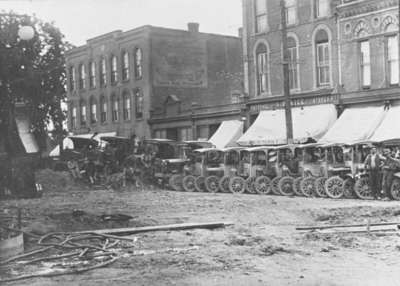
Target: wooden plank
(360, 229)
(345, 225)
(134, 230)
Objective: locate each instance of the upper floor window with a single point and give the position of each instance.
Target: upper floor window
(114, 70)
(92, 74)
(103, 72)
(393, 59)
(322, 8)
(93, 110)
(365, 64)
(114, 108)
(261, 15)
(293, 63)
(138, 63)
(139, 103)
(72, 79)
(125, 66)
(262, 68)
(73, 117)
(126, 106)
(82, 76)
(322, 58)
(83, 113)
(291, 12)
(103, 109)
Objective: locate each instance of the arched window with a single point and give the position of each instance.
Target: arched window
(83, 113)
(72, 78)
(125, 66)
(103, 72)
(114, 108)
(92, 74)
(93, 110)
(262, 68)
(82, 76)
(114, 70)
(293, 63)
(138, 63)
(103, 109)
(126, 105)
(322, 58)
(139, 103)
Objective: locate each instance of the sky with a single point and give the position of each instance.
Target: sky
(80, 20)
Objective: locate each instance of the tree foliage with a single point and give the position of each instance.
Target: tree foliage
(33, 71)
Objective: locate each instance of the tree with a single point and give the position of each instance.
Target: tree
(32, 72)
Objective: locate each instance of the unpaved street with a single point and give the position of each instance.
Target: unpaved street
(261, 248)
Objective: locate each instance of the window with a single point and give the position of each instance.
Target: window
(290, 10)
(160, 134)
(262, 68)
(321, 8)
(127, 106)
(114, 71)
(114, 108)
(92, 74)
(103, 73)
(139, 103)
(138, 63)
(393, 59)
(93, 110)
(83, 114)
(322, 58)
(103, 109)
(261, 15)
(82, 76)
(72, 79)
(365, 64)
(73, 117)
(125, 66)
(293, 63)
(185, 134)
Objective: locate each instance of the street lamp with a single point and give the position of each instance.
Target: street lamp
(26, 33)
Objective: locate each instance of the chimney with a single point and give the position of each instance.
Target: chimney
(193, 27)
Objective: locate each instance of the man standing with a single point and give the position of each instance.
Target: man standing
(389, 168)
(373, 162)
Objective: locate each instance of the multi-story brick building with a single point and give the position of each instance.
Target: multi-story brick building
(153, 81)
(332, 47)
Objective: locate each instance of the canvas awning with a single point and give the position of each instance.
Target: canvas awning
(308, 122)
(27, 138)
(227, 134)
(354, 125)
(388, 130)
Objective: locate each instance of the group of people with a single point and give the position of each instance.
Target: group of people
(381, 168)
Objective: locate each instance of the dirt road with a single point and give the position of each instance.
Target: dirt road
(262, 248)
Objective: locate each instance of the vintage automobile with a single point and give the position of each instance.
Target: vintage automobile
(236, 170)
(263, 163)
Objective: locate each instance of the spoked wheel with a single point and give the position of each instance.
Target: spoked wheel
(334, 187)
(363, 189)
(348, 188)
(212, 184)
(189, 183)
(224, 184)
(395, 190)
(200, 184)
(250, 187)
(237, 185)
(262, 185)
(307, 186)
(286, 186)
(296, 186)
(320, 187)
(275, 185)
(175, 182)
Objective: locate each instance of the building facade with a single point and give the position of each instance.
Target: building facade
(154, 82)
(342, 52)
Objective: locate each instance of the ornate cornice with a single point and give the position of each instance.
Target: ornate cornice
(355, 8)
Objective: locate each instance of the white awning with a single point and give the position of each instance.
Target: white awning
(354, 125)
(227, 134)
(27, 138)
(308, 122)
(388, 130)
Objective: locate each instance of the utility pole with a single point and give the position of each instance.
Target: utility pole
(286, 83)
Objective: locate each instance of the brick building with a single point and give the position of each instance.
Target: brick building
(332, 47)
(154, 82)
